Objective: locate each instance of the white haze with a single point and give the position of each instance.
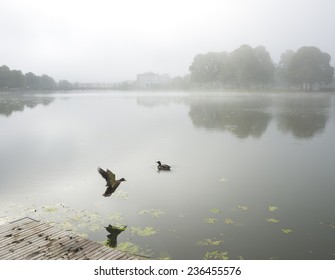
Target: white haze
(113, 40)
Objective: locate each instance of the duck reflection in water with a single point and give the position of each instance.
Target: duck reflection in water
(114, 231)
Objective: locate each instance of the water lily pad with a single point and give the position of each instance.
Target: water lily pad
(287, 231)
(272, 208)
(147, 231)
(210, 220)
(129, 248)
(164, 256)
(272, 220)
(215, 210)
(50, 209)
(154, 212)
(122, 194)
(216, 255)
(133, 249)
(223, 180)
(208, 241)
(116, 216)
(229, 221)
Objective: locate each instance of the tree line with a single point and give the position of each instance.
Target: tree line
(248, 67)
(15, 79)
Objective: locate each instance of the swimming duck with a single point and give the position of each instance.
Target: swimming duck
(111, 183)
(163, 166)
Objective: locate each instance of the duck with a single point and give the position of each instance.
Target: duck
(163, 166)
(111, 183)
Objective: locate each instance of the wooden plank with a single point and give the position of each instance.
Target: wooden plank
(33, 243)
(25, 233)
(44, 247)
(30, 239)
(11, 226)
(58, 248)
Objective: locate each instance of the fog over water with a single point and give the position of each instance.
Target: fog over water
(110, 41)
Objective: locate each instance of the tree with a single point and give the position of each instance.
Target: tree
(205, 68)
(226, 73)
(4, 77)
(46, 82)
(283, 69)
(245, 64)
(30, 81)
(265, 69)
(309, 66)
(16, 79)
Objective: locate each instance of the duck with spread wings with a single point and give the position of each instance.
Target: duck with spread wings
(111, 183)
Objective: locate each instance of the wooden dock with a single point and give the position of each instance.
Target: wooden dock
(28, 239)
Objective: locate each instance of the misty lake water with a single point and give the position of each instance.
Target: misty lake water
(253, 175)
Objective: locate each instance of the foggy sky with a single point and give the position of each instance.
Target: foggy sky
(113, 40)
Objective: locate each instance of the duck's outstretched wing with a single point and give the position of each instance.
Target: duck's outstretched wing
(108, 175)
(111, 177)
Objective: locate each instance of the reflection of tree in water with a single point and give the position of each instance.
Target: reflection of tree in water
(13, 102)
(242, 117)
(114, 231)
(303, 116)
(154, 101)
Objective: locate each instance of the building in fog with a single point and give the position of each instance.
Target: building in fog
(152, 80)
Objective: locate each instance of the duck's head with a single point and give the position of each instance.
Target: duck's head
(122, 180)
(158, 162)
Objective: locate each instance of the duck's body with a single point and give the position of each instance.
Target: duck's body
(163, 166)
(111, 183)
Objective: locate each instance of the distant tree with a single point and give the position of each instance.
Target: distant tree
(205, 68)
(309, 66)
(30, 81)
(16, 79)
(265, 69)
(226, 73)
(46, 82)
(283, 68)
(64, 85)
(245, 66)
(4, 77)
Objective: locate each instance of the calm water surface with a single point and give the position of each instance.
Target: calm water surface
(252, 174)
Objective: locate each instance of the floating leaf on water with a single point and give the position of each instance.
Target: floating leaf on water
(144, 212)
(216, 255)
(242, 207)
(147, 231)
(207, 242)
(116, 216)
(122, 194)
(67, 226)
(272, 208)
(215, 210)
(50, 209)
(210, 220)
(229, 221)
(83, 235)
(272, 220)
(287, 231)
(129, 248)
(154, 212)
(95, 227)
(164, 256)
